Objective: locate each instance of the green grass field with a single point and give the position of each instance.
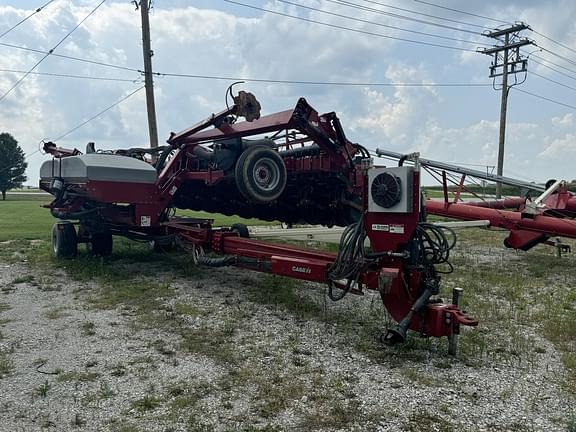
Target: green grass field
(22, 217)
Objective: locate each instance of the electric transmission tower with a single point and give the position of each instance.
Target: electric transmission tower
(507, 61)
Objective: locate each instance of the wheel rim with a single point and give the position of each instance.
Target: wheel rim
(266, 174)
(55, 240)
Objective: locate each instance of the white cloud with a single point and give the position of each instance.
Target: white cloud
(446, 124)
(564, 147)
(400, 117)
(565, 121)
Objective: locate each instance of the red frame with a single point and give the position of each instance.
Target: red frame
(527, 228)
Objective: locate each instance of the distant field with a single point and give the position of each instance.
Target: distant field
(23, 218)
(25, 190)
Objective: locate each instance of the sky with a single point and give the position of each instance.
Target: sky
(227, 39)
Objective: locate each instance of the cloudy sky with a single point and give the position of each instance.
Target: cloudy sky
(218, 38)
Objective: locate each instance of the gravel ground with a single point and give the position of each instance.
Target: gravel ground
(214, 357)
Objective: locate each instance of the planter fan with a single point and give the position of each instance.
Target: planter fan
(385, 190)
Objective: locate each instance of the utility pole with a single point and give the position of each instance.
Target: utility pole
(148, 80)
(507, 61)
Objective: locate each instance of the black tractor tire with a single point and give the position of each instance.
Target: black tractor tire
(64, 240)
(549, 183)
(260, 174)
(241, 229)
(100, 244)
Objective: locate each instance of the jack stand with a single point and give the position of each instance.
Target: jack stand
(453, 338)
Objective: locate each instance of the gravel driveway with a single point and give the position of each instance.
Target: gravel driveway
(211, 351)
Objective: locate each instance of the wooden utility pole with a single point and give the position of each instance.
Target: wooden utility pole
(148, 80)
(503, 109)
(503, 66)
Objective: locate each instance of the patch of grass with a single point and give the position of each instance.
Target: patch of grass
(105, 392)
(162, 347)
(214, 343)
(4, 307)
(88, 328)
(122, 426)
(142, 360)
(283, 292)
(424, 421)
(6, 365)
(569, 360)
(339, 415)
(276, 393)
(77, 376)
(560, 325)
(418, 377)
(23, 279)
(187, 395)
(56, 313)
(571, 423)
(236, 377)
(187, 309)
(147, 403)
(42, 389)
(142, 295)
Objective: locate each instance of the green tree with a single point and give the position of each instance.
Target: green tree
(12, 164)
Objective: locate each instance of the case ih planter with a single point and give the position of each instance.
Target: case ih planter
(295, 166)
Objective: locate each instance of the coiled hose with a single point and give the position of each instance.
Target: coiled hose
(434, 243)
(349, 261)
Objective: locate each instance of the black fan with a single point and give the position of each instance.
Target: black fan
(385, 190)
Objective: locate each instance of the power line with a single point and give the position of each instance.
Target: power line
(39, 9)
(566, 59)
(376, 23)
(50, 52)
(348, 28)
(417, 13)
(554, 41)
(506, 22)
(553, 81)
(333, 83)
(553, 69)
(227, 78)
(67, 57)
(403, 17)
(552, 63)
(545, 98)
(118, 102)
(461, 11)
(70, 76)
